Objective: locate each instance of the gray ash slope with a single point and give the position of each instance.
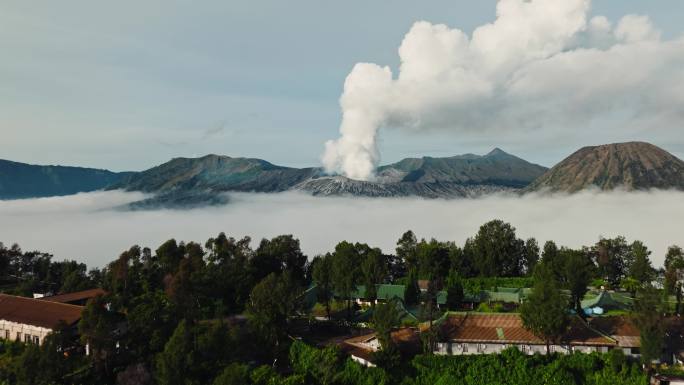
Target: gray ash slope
(184, 182)
(628, 166)
(458, 176)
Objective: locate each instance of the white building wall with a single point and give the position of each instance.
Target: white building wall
(11, 329)
(362, 361)
(457, 348)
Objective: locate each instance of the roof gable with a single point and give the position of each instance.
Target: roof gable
(75, 296)
(36, 312)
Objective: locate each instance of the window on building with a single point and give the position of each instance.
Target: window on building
(18, 336)
(36, 340)
(635, 351)
(524, 348)
(464, 347)
(27, 338)
(2, 333)
(481, 348)
(7, 334)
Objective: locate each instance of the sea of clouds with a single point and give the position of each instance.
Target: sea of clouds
(93, 228)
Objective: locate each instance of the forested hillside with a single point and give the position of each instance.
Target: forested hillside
(223, 312)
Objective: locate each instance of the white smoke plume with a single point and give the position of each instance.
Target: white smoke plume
(541, 64)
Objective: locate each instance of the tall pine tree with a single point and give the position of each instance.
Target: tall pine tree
(545, 311)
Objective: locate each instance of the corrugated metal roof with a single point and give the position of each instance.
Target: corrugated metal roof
(407, 341)
(508, 328)
(75, 296)
(37, 312)
(385, 292)
(603, 300)
(503, 296)
(620, 328)
(474, 327)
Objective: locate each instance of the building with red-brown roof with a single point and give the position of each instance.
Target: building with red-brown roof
(483, 333)
(623, 330)
(30, 320)
(361, 348)
(75, 298)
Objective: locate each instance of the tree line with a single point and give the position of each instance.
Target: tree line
(191, 313)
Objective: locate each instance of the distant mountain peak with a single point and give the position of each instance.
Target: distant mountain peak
(497, 152)
(630, 166)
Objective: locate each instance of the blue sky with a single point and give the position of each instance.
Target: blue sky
(127, 85)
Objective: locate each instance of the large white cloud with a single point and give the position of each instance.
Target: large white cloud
(87, 228)
(541, 64)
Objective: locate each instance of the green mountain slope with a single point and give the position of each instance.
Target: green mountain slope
(21, 180)
(216, 173)
(194, 181)
(497, 168)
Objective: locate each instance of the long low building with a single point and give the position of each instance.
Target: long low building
(31, 320)
(484, 333)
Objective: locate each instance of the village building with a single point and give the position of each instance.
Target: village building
(604, 301)
(622, 330)
(663, 379)
(80, 298)
(509, 297)
(404, 315)
(486, 333)
(385, 292)
(361, 348)
(491, 333)
(31, 320)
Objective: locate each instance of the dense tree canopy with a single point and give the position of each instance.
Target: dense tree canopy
(346, 270)
(271, 303)
(497, 251)
(545, 312)
(223, 312)
(649, 310)
(577, 274)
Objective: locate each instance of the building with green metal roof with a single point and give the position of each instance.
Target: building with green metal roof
(604, 300)
(385, 292)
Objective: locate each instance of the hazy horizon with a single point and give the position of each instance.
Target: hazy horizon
(87, 227)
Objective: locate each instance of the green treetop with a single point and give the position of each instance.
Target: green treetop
(545, 311)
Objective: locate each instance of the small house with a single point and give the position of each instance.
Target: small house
(622, 330)
(361, 348)
(31, 320)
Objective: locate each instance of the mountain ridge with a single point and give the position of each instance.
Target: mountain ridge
(187, 182)
(459, 176)
(22, 180)
(628, 165)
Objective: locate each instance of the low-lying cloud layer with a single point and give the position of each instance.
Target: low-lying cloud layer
(88, 228)
(543, 68)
